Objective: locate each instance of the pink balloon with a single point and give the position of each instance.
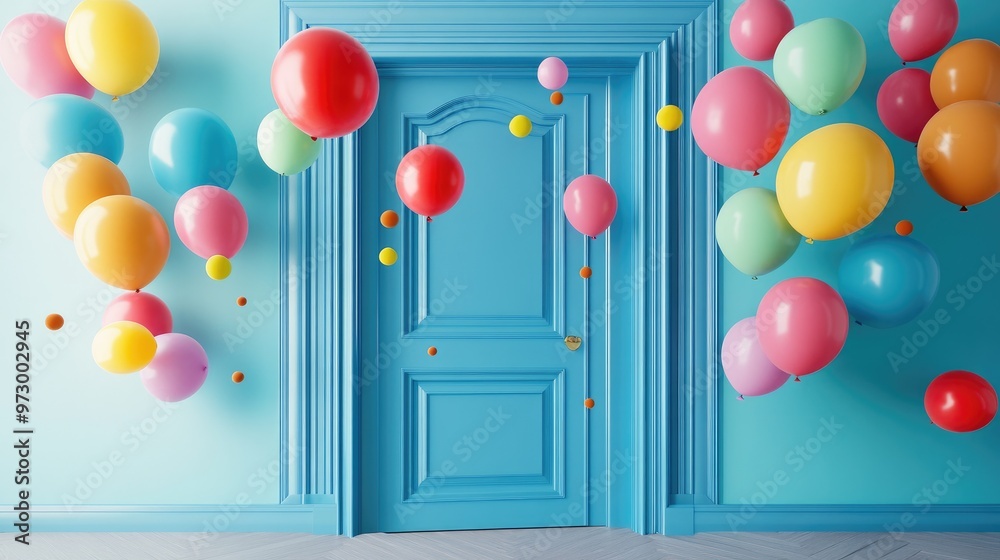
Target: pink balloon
(740, 118)
(211, 221)
(178, 369)
(920, 28)
(143, 308)
(746, 366)
(802, 325)
(552, 73)
(590, 204)
(905, 103)
(758, 26)
(33, 52)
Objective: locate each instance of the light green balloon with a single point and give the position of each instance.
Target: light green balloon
(819, 65)
(283, 147)
(753, 233)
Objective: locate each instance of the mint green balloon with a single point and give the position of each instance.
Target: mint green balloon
(753, 233)
(283, 147)
(819, 65)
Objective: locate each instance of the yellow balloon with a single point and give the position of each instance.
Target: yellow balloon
(520, 126)
(835, 181)
(669, 118)
(122, 240)
(75, 181)
(113, 45)
(387, 256)
(123, 347)
(218, 267)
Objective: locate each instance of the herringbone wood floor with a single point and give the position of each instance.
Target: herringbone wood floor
(559, 544)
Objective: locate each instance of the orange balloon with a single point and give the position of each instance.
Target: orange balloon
(122, 240)
(959, 152)
(75, 181)
(968, 71)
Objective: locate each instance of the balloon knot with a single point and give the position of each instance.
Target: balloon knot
(313, 138)
(429, 220)
(797, 380)
(753, 277)
(739, 398)
(114, 99)
(756, 173)
(822, 111)
(137, 290)
(904, 63)
(963, 209)
(809, 240)
(593, 237)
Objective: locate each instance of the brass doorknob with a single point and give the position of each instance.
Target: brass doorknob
(573, 343)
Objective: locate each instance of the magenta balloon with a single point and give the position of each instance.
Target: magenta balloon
(758, 26)
(905, 103)
(211, 221)
(919, 29)
(802, 325)
(178, 369)
(33, 52)
(553, 73)
(140, 307)
(746, 365)
(590, 204)
(740, 118)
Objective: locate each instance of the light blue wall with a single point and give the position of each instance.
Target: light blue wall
(886, 450)
(222, 442)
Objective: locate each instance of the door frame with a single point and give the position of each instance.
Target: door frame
(670, 50)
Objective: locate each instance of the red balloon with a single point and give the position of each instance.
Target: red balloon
(325, 82)
(430, 180)
(140, 307)
(905, 103)
(960, 401)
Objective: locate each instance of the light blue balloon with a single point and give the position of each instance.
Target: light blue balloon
(192, 148)
(58, 125)
(888, 280)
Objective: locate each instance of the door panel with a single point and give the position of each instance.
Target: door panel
(490, 432)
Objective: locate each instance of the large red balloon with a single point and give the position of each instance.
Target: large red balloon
(960, 401)
(325, 82)
(430, 180)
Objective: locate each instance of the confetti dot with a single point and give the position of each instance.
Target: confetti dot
(387, 256)
(904, 227)
(241, 301)
(589, 403)
(669, 118)
(389, 219)
(585, 272)
(54, 322)
(520, 126)
(432, 351)
(556, 98)
(238, 377)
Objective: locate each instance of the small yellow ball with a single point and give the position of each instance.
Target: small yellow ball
(387, 256)
(669, 118)
(218, 267)
(520, 126)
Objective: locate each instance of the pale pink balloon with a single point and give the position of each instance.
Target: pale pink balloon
(746, 366)
(178, 369)
(33, 53)
(802, 325)
(740, 118)
(143, 308)
(919, 29)
(590, 204)
(211, 221)
(552, 73)
(758, 26)
(905, 103)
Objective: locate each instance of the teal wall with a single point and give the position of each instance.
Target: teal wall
(884, 451)
(222, 442)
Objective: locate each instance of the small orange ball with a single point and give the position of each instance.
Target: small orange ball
(556, 98)
(585, 272)
(904, 227)
(589, 403)
(238, 377)
(54, 322)
(389, 219)
(241, 301)
(432, 351)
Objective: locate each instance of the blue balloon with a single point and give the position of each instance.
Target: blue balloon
(889, 280)
(58, 125)
(192, 148)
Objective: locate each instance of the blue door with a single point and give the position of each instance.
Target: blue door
(473, 405)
